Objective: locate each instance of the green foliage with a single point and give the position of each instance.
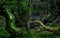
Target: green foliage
(43, 34)
(4, 33)
(22, 10)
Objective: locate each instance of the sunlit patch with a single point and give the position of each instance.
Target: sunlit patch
(11, 17)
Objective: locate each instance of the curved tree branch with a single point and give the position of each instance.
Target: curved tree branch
(44, 26)
(10, 23)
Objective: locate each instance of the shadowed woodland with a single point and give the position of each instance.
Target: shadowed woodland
(29, 18)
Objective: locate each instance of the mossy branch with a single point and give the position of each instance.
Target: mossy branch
(11, 21)
(44, 26)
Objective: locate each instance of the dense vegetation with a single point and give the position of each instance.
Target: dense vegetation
(29, 19)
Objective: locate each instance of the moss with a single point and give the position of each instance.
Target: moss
(4, 33)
